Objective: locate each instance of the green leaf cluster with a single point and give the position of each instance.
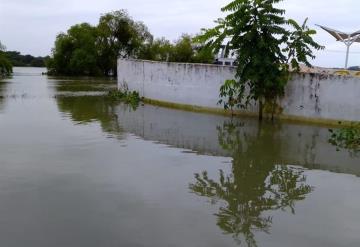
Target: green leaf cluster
(131, 98)
(263, 42)
(347, 138)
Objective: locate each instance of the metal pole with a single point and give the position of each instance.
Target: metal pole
(347, 55)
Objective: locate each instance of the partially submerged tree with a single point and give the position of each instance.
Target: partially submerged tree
(93, 50)
(255, 33)
(75, 52)
(5, 65)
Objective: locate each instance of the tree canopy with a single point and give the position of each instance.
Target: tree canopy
(93, 50)
(263, 42)
(184, 50)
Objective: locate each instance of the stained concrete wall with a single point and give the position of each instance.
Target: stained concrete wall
(312, 96)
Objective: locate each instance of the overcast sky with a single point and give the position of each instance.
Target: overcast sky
(30, 26)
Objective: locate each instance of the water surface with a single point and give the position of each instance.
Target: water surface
(77, 169)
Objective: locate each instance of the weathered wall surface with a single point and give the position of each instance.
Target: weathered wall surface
(312, 96)
(323, 96)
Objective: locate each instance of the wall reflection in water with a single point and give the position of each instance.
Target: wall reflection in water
(267, 173)
(294, 144)
(255, 186)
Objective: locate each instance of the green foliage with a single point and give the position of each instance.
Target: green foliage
(347, 138)
(157, 50)
(5, 64)
(229, 95)
(75, 52)
(203, 54)
(299, 45)
(131, 98)
(183, 50)
(19, 60)
(254, 32)
(119, 35)
(93, 50)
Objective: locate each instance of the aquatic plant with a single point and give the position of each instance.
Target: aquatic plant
(346, 138)
(129, 97)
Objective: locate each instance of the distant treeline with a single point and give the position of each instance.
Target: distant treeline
(93, 50)
(19, 60)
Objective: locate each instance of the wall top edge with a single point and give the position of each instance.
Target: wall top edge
(179, 63)
(320, 74)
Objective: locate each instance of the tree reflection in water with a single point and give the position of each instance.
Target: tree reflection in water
(2, 93)
(256, 185)
(87, 109)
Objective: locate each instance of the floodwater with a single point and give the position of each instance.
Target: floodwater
(77, 169)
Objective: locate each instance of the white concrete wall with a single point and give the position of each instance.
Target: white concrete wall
(314, 96)
(323, 97)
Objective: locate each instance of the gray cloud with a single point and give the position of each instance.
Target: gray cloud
(30, 26)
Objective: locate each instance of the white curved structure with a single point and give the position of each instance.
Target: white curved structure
(347, 38)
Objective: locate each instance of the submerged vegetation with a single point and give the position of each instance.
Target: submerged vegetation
(5, 64)
(93, 50)
(255, 33)
(129, 97)
(347, 138)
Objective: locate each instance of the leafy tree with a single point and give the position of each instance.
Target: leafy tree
(203, 54)
(119, 35)
(157, 50)
(254, 31)
(5, 65)
(93, 50)
(75, 52)
(183, 50)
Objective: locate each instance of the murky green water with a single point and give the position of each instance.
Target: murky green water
(79, 170)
